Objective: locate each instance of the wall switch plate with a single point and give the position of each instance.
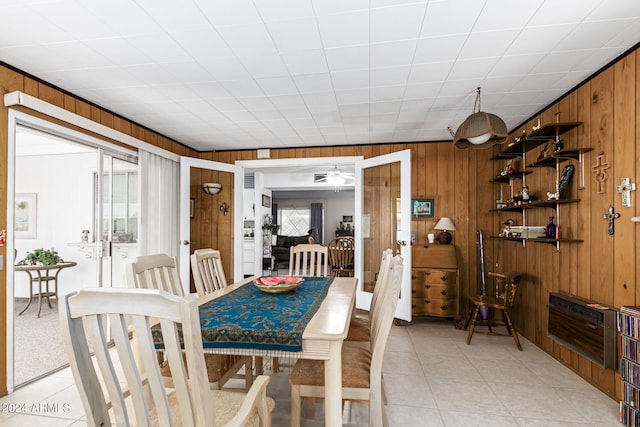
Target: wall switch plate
(1, 262)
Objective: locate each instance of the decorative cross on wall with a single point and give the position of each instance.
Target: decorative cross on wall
(610, 216)
(625, 188)
(599, 171)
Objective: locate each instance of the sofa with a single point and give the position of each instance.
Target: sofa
(280, 251)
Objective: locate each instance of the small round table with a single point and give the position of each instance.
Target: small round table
(43, 274)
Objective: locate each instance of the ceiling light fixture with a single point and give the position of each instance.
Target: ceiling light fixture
(480, 129)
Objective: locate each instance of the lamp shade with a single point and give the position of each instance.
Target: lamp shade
(480, 130)
(445, 224)
(211, 188)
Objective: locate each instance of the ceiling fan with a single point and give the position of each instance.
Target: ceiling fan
(335, 177)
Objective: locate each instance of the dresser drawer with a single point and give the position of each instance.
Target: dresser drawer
(419, 276)
(434, 307)
(432, 291)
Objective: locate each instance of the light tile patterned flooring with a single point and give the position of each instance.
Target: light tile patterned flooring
(432, 378)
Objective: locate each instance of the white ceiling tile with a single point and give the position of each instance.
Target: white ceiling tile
(314, 83)
(319, 98)
(488, 43)
(423, 90)
(539, 39)
(275, 10)
(160, 48)
(209, 89)
(305, 62)
(288, 101)
(499, 14)
(348, 58)
(246, 40)
(476, 68)
(623, 9)
(229, 12)
(186, 72)
(277, 85)
(295, 35)
(387, 93)
(352, 79)
(263, 66)
(516, 65)
(450, 17)
(192, 43)
(242, 88)
(354, 110)
(171, 15)
(589, 35)
(118, 50)
(385, 107)
(396, 22)
(353, 96)
(430, 72)
(389, 76)
(294, 113)
(225, 68)
(329, 7)
(347, 29)
(125, 18)
(270, 114)
(392, 53)
(439, 49)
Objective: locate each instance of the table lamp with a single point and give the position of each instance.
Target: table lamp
(445, 224)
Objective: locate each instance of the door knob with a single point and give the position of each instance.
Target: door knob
(186, 242)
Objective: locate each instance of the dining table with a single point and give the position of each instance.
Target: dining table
(322, 332)
(43, 275)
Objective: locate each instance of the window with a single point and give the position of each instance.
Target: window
(294, 221)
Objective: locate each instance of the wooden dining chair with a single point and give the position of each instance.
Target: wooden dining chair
(208, 274)
(308, 259)
(502, 298)
(361, 365)
(160, 271)
(125, 382)
(360, 326)
(341, 254)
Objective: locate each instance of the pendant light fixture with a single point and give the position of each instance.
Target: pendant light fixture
(480, 129)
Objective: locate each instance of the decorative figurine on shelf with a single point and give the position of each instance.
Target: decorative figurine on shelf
(508, 169)
(85, 236)
(559, 145)
(550, 230)
(3, 237)
(525, 194)
(565, 179)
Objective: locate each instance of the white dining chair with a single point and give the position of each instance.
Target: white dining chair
(125, 387)
(360, 326)
(308, 259)
(160, 271)
(361, 365)
(208, 274)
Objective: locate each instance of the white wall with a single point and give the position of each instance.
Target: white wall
(64, 188)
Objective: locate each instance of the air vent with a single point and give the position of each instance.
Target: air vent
(250, 180)
(319, 177)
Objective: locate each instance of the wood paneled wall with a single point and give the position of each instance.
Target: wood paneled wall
(11, 81)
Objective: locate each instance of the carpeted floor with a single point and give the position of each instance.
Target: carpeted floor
(38, 347)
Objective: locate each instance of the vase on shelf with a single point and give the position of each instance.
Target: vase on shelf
(550, 230)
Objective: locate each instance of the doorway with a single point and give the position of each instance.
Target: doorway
(79, 197)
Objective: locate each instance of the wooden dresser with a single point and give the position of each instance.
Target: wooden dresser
(434, 281)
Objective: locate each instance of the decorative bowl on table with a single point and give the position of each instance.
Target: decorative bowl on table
(278, 284)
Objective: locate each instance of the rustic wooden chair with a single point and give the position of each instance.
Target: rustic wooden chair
(502, 299)
(134, 391)
(207, 270)
(308, 259)
(160, 271)
(360, 326)
(361, 365)
(341, 253)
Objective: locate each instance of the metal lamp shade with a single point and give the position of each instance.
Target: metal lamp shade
(479, 124)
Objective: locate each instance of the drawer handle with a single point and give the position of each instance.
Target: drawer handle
(443, 278)
(427, 286)
(413, 306)
(444, 307)
(413, 277)
(444, 292)
(426, 273)
(427, 301)
(413, 291)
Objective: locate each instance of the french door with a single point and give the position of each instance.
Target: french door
(382, 219)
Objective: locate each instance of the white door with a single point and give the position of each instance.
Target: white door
(382, 220)
(186, 163)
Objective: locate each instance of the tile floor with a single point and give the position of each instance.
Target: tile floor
(432, 378)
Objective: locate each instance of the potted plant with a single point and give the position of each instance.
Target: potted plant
(269, 226)
(41, 257)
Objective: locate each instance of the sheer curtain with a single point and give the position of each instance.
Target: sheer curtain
(159, 201)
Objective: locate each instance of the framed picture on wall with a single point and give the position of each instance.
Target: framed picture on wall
(423, 208)
(26, 216)
(266, 201)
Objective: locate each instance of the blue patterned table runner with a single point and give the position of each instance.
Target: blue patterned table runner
(250, 318)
